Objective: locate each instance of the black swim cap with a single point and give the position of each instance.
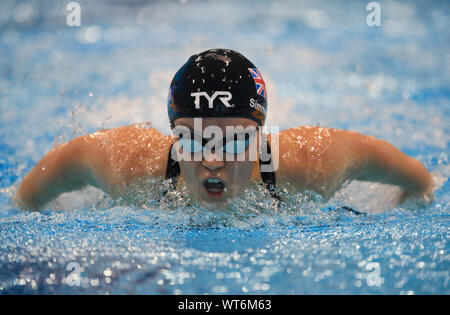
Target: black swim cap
(218, 83)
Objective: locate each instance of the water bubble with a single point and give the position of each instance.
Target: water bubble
(90, 34)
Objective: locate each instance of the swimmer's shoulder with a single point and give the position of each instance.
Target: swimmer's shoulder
(129, 152)
(310, 157)
(303, 143)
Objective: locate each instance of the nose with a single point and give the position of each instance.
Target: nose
(212, 161)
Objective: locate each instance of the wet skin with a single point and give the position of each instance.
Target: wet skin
(310, 158)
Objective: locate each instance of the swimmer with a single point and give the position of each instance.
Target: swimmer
(215, 90)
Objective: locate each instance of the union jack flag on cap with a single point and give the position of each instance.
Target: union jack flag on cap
(259, 82)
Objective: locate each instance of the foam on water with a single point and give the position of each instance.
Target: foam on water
(322, 65)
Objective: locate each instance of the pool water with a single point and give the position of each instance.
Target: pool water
(323, 65)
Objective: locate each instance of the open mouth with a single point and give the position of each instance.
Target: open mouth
(215, 187)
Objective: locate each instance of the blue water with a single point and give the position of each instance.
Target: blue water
(323, 65)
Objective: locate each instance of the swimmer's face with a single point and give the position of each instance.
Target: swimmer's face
(211, 178)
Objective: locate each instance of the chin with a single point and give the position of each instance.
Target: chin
(214, 198)
(202, 196)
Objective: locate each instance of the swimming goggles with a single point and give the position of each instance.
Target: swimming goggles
(233, 144)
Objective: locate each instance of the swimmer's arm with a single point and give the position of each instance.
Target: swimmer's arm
(323, 159)
(387, 164)
(109, 160)
(65, 168)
